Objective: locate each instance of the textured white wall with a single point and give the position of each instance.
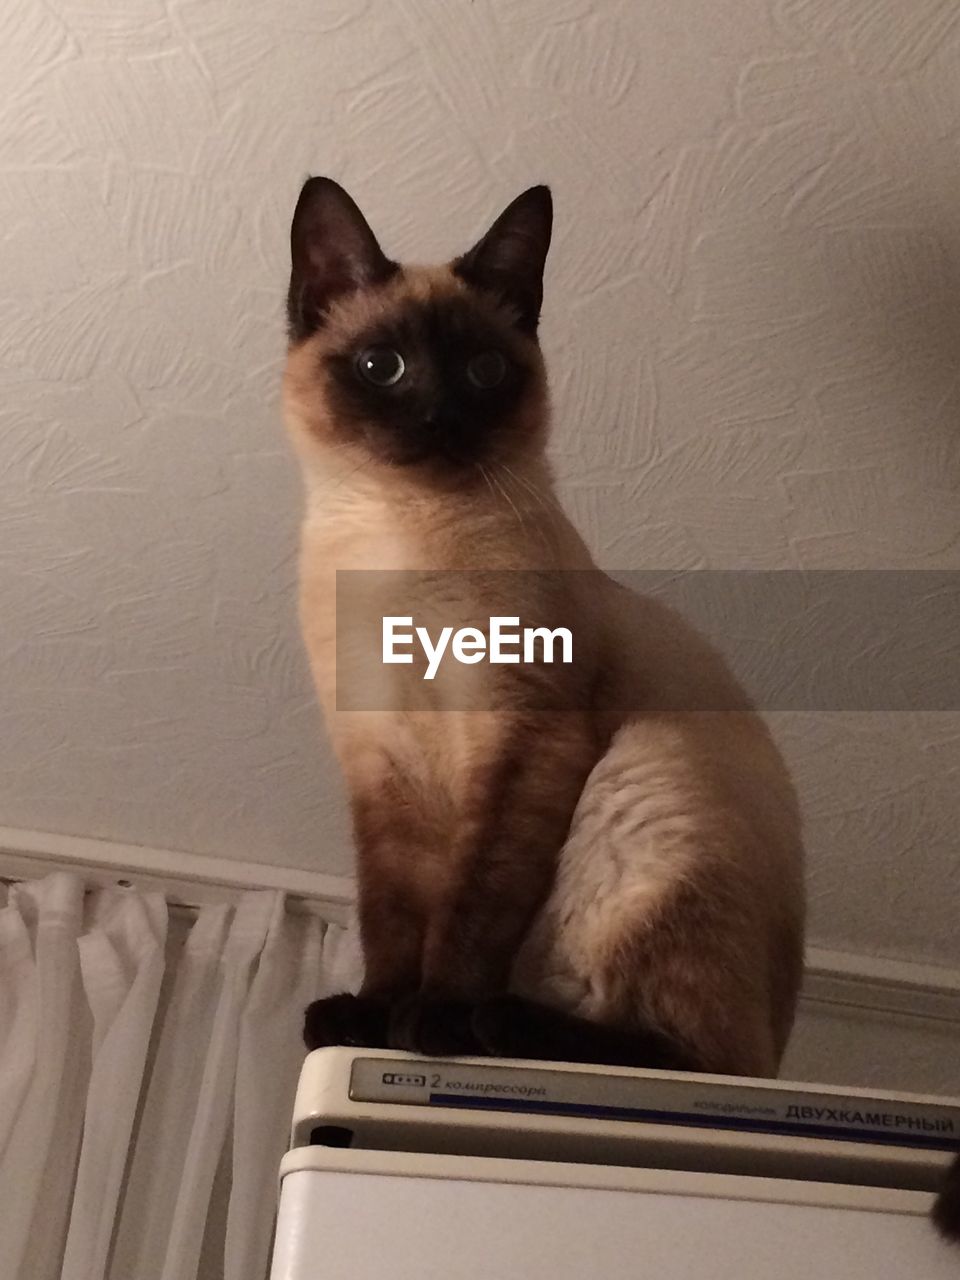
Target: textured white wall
(752, 323)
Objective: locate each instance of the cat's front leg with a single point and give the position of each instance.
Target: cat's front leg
(391, 925)
(395, 903)
(500, 870)
(392, 942)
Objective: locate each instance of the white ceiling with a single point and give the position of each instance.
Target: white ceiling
(752, 323)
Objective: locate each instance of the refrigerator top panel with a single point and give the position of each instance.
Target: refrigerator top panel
(388, 1101)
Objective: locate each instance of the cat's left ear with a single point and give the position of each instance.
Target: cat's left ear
(510, 258)
(332, 252)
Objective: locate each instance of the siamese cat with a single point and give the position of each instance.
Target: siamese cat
(599, 861)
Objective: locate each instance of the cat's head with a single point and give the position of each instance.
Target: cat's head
(436, 370)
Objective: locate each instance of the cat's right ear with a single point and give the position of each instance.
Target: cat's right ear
(332, 252)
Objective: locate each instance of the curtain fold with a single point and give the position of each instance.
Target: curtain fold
(211, 1116)
(140, 1053)
(40, 975)
(157, 1164)
(121, 967)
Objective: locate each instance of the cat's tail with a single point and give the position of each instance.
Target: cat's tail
(946, 1211)
(513, 1027)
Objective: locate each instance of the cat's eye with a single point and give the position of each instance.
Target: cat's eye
(380, 365)
(486, 370)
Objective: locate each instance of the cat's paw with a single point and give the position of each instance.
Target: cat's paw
(501, 1027)
(436, 1027)
(345, 1019)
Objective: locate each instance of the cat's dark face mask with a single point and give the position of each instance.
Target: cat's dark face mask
(433, 366)
(435, 380)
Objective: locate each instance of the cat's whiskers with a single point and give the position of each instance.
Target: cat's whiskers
(542, 527)
(510, 502)
(549, 506)
(483, 471)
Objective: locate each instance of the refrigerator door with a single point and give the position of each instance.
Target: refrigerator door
(366, 1215)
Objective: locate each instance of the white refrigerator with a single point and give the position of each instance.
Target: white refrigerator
(473, 1170)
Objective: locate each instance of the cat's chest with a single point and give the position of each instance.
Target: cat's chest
(358, 538)
(376, 612)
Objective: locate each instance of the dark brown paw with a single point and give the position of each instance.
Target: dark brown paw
(436, 1027)
(346, 1020)
(501, 1027)
(946, 1211)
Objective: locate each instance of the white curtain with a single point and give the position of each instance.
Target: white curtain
(148, 1063)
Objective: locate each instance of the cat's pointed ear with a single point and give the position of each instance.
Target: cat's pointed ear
(509, 260)
(332, 251)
